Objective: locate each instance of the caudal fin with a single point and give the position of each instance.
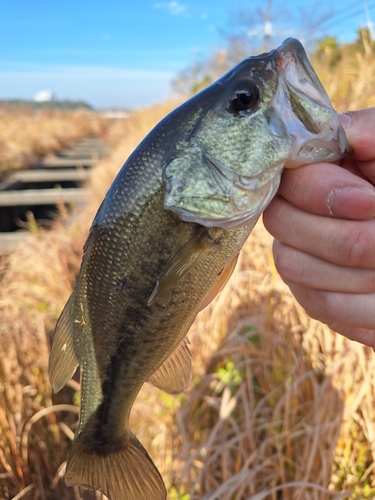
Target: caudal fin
(125, 473)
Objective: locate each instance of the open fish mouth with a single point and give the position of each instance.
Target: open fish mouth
(308, 116)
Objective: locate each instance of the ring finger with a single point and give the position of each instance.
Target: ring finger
(303, 269)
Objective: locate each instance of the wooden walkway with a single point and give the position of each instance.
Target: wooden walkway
(44, 175)
(42, 197)
(54, 180)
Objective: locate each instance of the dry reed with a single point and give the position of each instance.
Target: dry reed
(280, 407)
(26, 136)
(348, 80)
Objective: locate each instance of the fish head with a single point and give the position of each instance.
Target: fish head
(235, 137)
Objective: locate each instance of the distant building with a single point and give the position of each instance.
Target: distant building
(44, 96)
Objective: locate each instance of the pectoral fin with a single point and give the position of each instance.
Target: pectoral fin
(182, 262)
(174, 375)
(222, 281)
(63, 361)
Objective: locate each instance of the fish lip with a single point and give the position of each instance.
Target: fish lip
(326, 140)
(291, 58)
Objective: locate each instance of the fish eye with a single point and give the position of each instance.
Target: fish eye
(243, 97)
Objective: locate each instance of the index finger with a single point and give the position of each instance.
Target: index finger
(359, 128)
(328, 189)
(342, 242)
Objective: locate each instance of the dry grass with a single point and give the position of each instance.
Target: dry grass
(281, 399)
(280, 406)
(350, 81)
(28, 135)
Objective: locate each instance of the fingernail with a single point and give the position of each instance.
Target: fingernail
(345, 120)
(353, 202)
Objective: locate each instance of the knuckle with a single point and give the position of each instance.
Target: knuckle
(293, 265)
(353, 247)
(371, 281)
(285, 259)
(323, 306)
(321, 309)
(280, 259)
(273, 215)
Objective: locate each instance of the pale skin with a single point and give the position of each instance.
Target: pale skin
(323, 222)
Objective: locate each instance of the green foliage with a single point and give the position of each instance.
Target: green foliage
(23, 105)
(329, 48)
(332, 52)
(230, 376)
(77, 398)
(363, 41)
(199, 85)
(328, 42)
(173, 494)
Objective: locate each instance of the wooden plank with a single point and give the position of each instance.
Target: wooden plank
(81, 155)
(89, 148)
(98, 146)
(82, 148)
(56, 162)
(42, 197)
(91, 140)
(10, 241)
(55, 175)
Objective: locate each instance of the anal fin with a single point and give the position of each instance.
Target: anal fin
(174, 375)
(63, 361)
(182, 262)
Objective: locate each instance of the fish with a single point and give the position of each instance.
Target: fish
(165, 241)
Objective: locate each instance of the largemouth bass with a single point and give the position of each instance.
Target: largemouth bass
(165, 241)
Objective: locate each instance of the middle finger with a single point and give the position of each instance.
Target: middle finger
(342, 242)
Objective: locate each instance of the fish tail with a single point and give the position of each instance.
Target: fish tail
(122, 472)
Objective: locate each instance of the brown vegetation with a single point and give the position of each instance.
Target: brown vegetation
(26, 136)
(280, 406)
(347, 71)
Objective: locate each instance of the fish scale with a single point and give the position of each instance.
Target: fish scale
(165, 241)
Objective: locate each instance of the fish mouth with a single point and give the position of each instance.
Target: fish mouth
(305, 109)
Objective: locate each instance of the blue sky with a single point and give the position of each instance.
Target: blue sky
(125, 53)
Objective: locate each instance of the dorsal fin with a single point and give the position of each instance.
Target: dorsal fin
(182, 262)
(63, 361)
(174, 375)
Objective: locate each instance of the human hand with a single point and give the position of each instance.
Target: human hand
(323, 222)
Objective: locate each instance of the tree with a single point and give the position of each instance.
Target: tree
(249, 32)
(328, 48)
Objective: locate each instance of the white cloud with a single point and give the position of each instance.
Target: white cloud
(103, 87)
(173, 7)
